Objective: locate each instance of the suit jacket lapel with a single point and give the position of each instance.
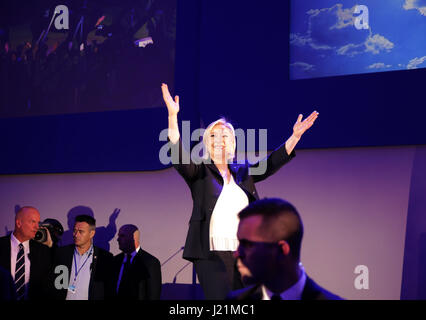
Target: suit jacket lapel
(253, 293)
(215, 170)
(138, 268)
(69, 257)
(311, 291)
(5, 255)
(33, 258)
(94, 262)
(119, 261)
(233, 168)
(93, 271)
(239, 180)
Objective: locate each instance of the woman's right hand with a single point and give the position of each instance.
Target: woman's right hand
(172, 105)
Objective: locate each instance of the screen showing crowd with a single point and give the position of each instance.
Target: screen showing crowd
(84, 56)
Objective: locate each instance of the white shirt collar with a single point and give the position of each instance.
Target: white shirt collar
(89, 251)
(292, 293)
(15, 242)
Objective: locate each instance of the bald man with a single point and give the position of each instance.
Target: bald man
(137, 273)
(28, 261)
(270, 235)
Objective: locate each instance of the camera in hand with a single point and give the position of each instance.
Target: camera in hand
(55, 229)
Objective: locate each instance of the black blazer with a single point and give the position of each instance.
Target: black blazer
(311, 291)
(40, 259)
(144, 278)
(7, 286)
(100, 286)
(206, 182)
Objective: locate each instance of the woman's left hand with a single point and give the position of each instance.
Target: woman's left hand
(300, 126)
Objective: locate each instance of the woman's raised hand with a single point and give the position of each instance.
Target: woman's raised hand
(300, 126)
(172, 105)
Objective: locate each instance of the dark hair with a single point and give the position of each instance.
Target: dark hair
(86, 218)
(278, 216)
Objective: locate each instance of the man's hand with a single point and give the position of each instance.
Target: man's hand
(49, 241)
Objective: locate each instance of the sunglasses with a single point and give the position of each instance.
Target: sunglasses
(248, 244)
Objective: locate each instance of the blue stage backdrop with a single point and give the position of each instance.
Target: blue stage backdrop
(233, 59)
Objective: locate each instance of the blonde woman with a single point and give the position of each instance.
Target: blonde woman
(220, 190)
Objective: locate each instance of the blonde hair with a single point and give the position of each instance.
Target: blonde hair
(206, 135)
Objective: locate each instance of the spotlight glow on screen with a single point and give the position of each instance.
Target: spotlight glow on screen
(331, 38)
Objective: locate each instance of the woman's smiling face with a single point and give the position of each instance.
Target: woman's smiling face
(221, 143)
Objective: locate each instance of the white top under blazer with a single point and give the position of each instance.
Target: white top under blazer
(224, 220)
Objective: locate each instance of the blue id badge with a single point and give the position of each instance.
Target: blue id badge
(71, 288)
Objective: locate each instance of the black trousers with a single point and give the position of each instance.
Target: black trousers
(218, 274)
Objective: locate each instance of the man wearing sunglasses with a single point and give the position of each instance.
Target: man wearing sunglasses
(270, 235)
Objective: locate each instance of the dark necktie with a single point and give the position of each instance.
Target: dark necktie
(125, 273)
(20, 273)
(127, 264)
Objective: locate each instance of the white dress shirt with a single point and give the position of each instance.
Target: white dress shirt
(14, 249)
(224, 220)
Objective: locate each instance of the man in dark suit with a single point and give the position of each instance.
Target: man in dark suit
(137, 274)
(270, 235)
(28, 261)
(88, 267)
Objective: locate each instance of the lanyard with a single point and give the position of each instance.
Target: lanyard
(81, 267)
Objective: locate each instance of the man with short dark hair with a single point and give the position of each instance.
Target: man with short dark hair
(88, 266)
(270, 235)
(27, 260)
